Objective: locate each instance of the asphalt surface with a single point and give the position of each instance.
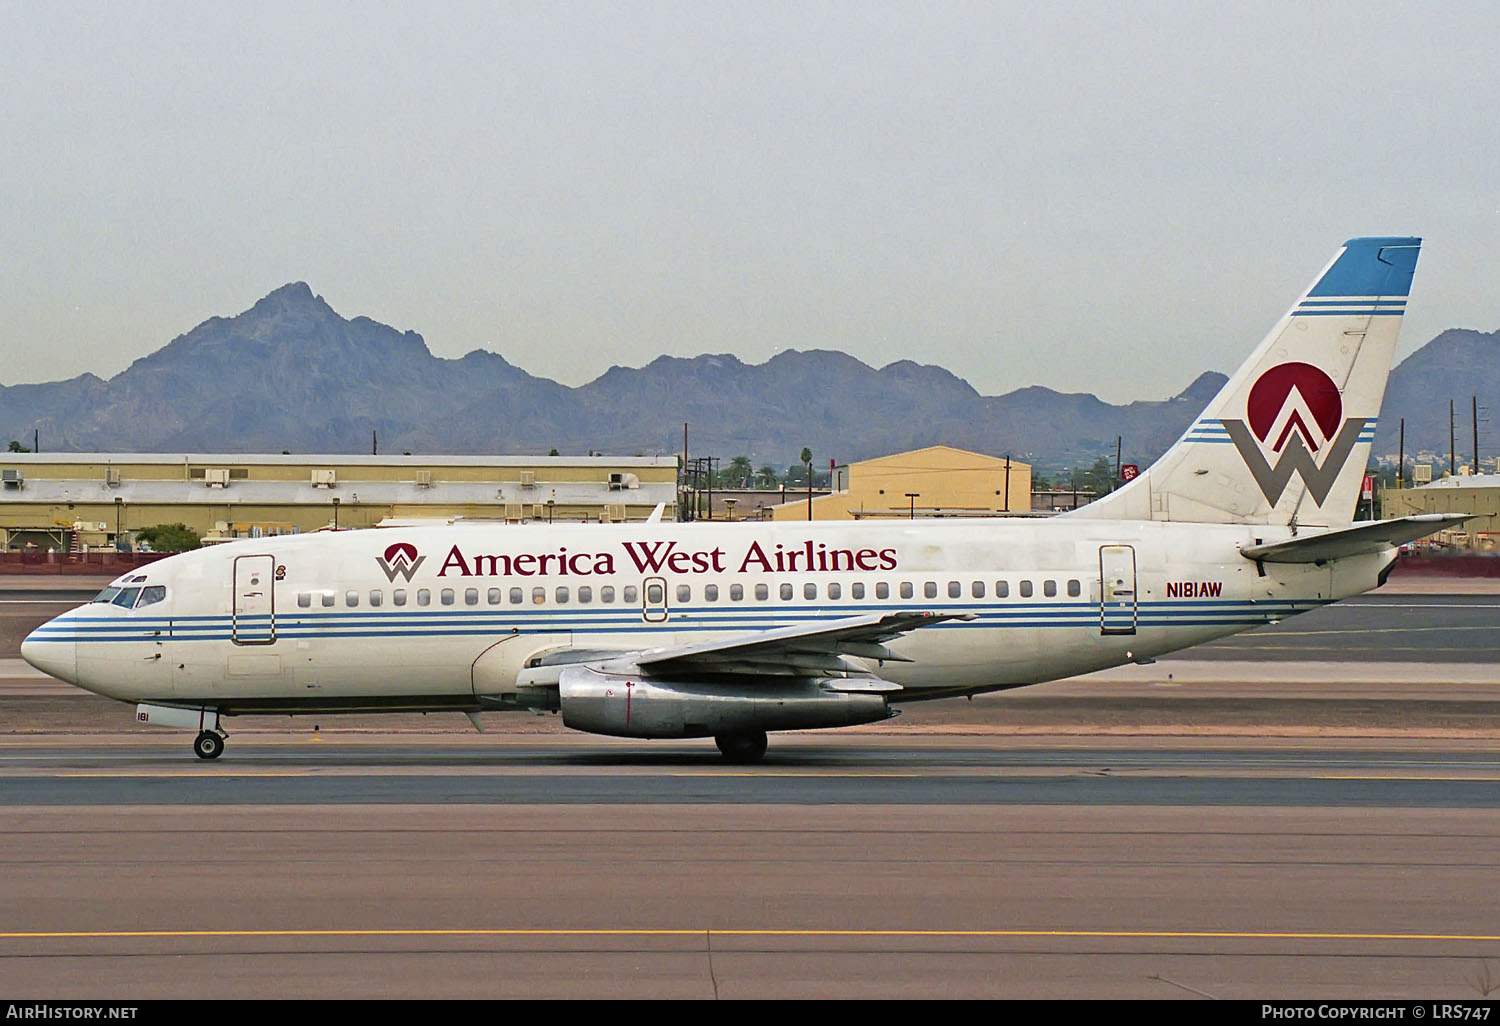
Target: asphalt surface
(732, 901)
(1308, 812)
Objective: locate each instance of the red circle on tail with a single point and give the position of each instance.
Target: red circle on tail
(1271, 393)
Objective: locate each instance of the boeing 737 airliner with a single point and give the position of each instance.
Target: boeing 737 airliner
(728, 631)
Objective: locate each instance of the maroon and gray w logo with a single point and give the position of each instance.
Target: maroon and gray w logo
(1296, 409)
(400, 560)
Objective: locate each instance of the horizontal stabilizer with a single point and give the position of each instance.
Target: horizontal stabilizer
(1355, 540)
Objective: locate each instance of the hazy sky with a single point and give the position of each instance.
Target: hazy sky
(1100, 197)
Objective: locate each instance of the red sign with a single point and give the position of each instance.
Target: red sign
(1368, 490)
(1129, 472)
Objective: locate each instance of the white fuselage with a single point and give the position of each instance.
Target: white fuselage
(327, 621)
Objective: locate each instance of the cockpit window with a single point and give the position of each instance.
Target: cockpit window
(151, 596)
(107, 595)
(126, 597)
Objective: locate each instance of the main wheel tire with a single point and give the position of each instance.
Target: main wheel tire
(742, 748)
(208, 745)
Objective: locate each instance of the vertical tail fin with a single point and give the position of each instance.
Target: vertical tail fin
(1288, 437)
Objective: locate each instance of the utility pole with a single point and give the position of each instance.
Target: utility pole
(1401, 456)
(1116, 482)
(807, 460)
(374, 443)
(1474, 412)
(913, 496)
(1007, 482)
(1452, 444)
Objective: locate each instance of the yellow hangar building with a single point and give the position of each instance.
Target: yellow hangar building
(936, 481)
(73, 501)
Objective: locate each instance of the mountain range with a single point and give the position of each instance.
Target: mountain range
(292, 374)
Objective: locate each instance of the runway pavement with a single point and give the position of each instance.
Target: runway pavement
(1311, 815)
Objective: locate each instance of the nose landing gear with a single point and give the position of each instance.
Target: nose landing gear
(209, 745)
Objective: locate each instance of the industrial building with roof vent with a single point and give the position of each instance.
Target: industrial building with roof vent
(70, 501)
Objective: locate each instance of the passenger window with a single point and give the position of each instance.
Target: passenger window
(151, 596)
(327, 600)
(857, 591)
(810, 591)
(736, 593)
(376, 597)
(471, 596)
(906, 589)
(1026, 589)
(562, 596)
(655, 594)
(351, 599)
(424, 597)
(710, 593)
(882, 590)
(976, 590)
(516, 597)
(304, 600)
(1074, 589)
(955, 590)
(834, 591)
(1049, 588)
(629, 594)
(786, 592)
(494, 596)
(585, 595)
(607, 593)
(446, 596)
(684, 593)
(1002, 589)
(538, 596)
(398, 597)
(762, 593)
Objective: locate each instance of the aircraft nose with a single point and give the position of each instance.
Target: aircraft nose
(52, 649)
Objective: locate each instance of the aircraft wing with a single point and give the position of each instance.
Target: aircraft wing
(800, 649)
(1354, 540)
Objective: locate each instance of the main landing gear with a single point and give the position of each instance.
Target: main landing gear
(747, 747)
(209, 745)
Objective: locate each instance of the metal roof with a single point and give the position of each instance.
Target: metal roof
(303, 493)
(1466, 481)
(21, 459)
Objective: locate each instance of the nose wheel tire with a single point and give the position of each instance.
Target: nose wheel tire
(208, 745)
(742, 748)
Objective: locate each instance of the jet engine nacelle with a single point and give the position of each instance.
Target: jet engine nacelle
(627, 706)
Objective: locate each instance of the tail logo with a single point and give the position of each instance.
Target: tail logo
(1295, 412)
(400, 560)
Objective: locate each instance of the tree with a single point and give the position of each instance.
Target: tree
(169, 537)
(766, 477)
(16, 446)
(552, 452)
(738, 473)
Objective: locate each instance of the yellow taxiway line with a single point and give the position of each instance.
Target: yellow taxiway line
(770, 933)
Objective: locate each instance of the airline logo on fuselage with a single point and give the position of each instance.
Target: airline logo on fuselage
(1295, 410)
(400, 560)
(642, 557)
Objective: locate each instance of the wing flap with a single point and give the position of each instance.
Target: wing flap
(815, 647)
